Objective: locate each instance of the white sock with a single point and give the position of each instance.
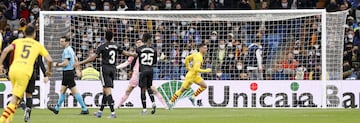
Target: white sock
(100, 111)
(112, 112)
(144, 110)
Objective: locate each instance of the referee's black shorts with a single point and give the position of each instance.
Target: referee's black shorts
(68, 79)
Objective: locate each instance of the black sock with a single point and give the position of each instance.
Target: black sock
(29, 102)
(103, 102)
(110, 101)
(151, 94)
(143, 100)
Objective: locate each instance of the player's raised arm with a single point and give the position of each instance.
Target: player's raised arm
(91, 58)
(187, 61)
(125, 64)
(129, 54)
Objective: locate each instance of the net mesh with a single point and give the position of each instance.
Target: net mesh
(335, 44)
(54, 29)
(289, 44)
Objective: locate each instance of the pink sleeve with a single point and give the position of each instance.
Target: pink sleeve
(130, 59)
(128, 62)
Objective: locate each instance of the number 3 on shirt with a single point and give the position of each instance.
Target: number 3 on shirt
(25, 52)
(147, 58)
(112, 57)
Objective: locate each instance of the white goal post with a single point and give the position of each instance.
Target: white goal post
(282, 33)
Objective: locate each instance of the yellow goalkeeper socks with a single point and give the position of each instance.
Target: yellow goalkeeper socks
(198, 91)
(8, 112)
(175, 96)
(10, 118)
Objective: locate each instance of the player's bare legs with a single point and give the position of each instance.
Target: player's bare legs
(126, 95)
(63, 89)
(158, 95)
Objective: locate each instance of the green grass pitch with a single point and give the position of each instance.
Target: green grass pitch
(198, 115)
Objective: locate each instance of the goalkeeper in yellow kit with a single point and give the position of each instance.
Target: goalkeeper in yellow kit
(193, 75)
